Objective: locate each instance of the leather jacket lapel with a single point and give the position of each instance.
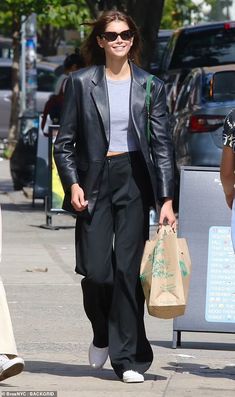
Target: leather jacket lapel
(137, 102)
(100, 97)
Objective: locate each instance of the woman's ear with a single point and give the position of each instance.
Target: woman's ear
(100, 41)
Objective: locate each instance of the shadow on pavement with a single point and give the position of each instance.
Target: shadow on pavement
(201, 370)
(26, 207)
(6, 186)
(73, 370)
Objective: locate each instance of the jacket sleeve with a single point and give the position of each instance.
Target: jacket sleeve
(64, 147)
(162, 145)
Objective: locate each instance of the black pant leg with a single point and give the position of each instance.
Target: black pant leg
(97, 299)
(94, 246)
(128, 345)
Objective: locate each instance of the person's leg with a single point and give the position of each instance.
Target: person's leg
(7, 340)
(129, 348)
(94, 239)
(10, 363)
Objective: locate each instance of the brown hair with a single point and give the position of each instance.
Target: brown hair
(93, 54)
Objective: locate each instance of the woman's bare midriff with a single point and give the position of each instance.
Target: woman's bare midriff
(114, 153)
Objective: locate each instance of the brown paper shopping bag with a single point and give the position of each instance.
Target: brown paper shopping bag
(165, 274)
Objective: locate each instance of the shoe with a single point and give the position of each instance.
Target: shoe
(98, 356)
(132, 377)
(10, 366)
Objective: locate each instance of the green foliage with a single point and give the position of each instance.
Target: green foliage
(58, 13)
(19, 8)
(68, 16)
(177, 13)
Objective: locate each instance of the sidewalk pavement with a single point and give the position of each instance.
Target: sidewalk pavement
(53, 333)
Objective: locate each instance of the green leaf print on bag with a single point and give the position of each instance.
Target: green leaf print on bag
(183, 268)
(159, 265)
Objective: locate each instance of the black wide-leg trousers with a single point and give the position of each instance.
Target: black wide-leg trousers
(109, 249)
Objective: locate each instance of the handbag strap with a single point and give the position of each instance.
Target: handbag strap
(148, 103)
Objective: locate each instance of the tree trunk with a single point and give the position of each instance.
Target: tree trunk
(49, 39)
(93, 7)
(14, 115)
(147, 15)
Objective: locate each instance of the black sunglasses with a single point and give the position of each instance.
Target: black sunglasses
(112, 36)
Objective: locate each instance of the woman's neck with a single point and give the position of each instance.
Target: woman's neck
(116, 70)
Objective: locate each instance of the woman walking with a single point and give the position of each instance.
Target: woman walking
(113, 175)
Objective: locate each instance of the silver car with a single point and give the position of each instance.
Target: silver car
(205, 98)
(46, 79)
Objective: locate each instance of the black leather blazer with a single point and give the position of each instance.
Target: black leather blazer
(83, 139)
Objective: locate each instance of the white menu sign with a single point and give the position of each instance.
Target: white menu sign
(220, 294)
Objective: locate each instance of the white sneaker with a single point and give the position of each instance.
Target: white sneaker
(132, 377)
(10, 366)
(98, 356)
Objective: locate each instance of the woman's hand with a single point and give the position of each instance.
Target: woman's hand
(167, 214)
(77, 198)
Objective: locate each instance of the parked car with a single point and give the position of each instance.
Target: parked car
(5, 47)
(205, 98)
(209, 44)
(22, 162)
(46, 79)
(160, 45)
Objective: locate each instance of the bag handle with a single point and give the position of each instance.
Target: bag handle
(148, 103)
(166, 229)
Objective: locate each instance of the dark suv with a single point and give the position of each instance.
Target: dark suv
(161, 42)
(208, 44)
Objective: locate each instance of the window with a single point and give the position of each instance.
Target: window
(5, 78)
(223, 88)
(196, 89)
(220, 86)
(209, 47)
(184, 94)
(45, 80)
(159, 48)
(6, 53)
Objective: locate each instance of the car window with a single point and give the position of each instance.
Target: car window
(6, 50)
(167, 54)
(184, 93)
(6, 53)
(45, 80)
(196, 89)
(219, 86)
(159, 48)
(5, 78)
(206, 85)
(205, 48)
